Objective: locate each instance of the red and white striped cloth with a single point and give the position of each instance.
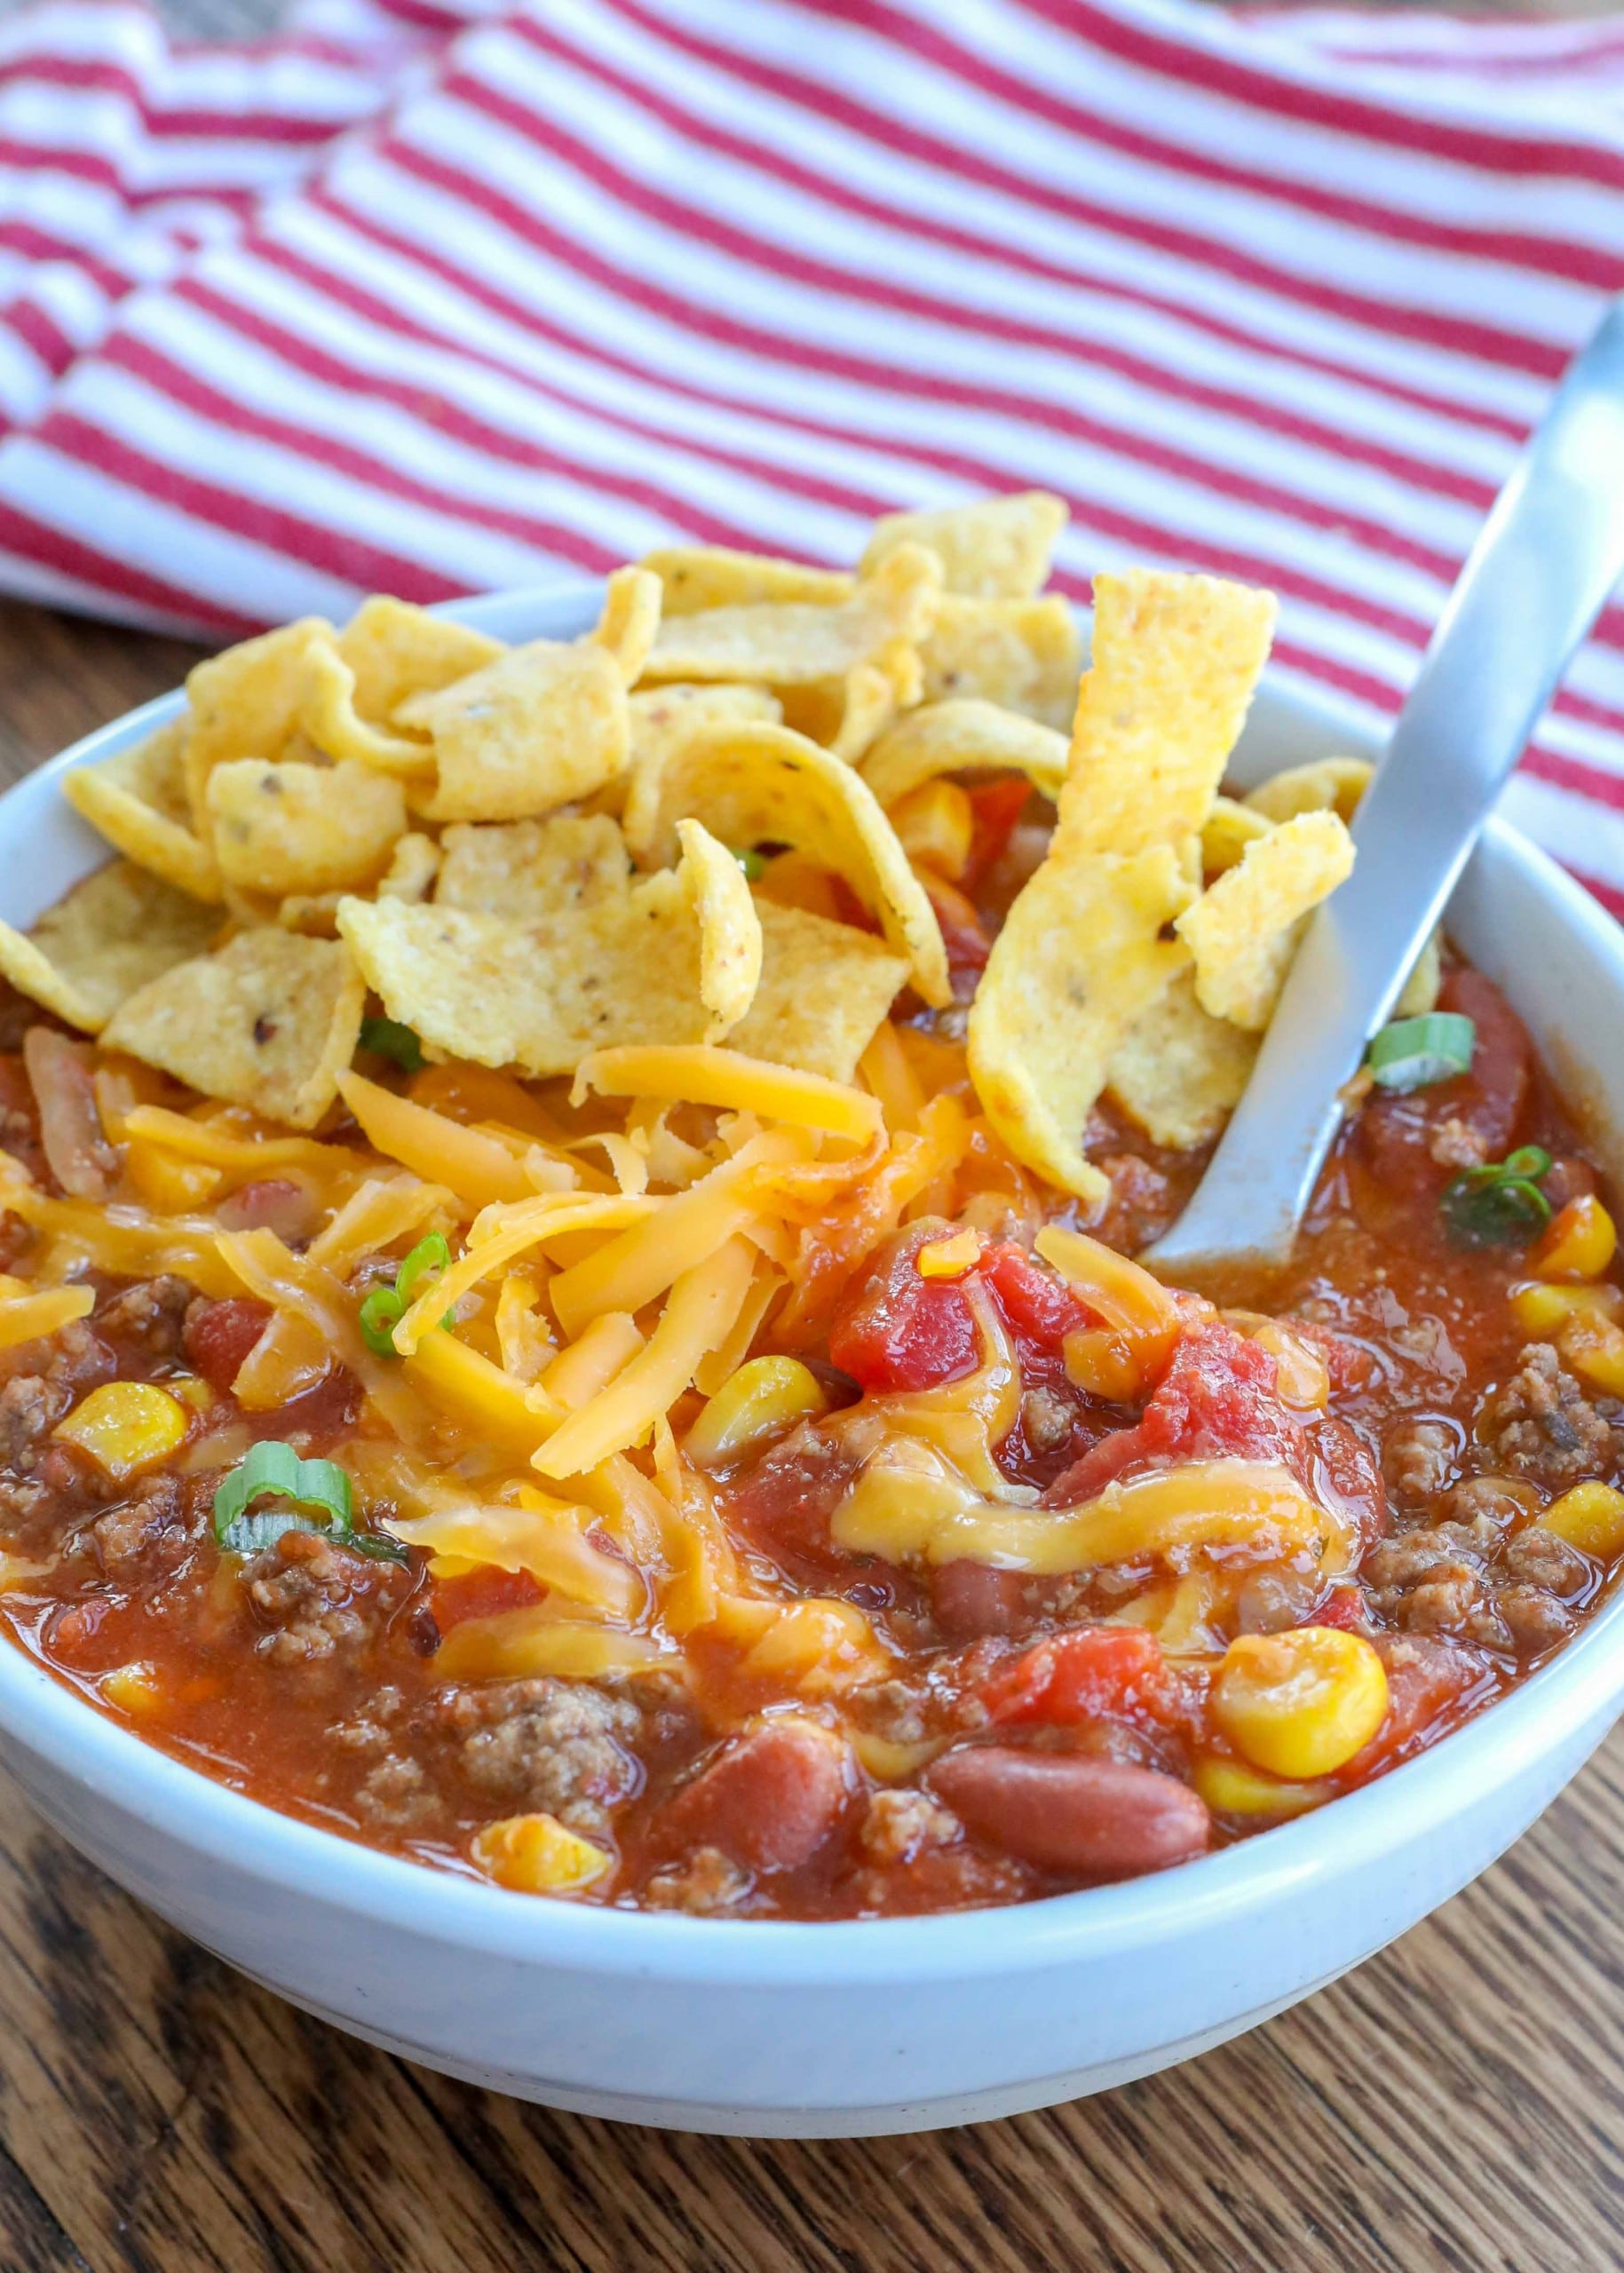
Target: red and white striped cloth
(425, 297)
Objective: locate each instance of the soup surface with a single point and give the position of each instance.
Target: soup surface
(905, 1705)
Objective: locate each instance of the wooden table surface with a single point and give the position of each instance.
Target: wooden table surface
(1459, 2102)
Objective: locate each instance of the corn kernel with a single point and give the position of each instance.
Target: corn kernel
(762, 1398)
(950, 1258)
(125, 1425)
(1593, 1347)
(1590, 1517)
(1300, 1370)
(889, 1762)
(167, 1182)
(1544, 1310)
(135, 1689)
(1578, 1242)
(536, 1854)
(936, 825)
(193, 1391)
(1300, 1704)
(1102, 1363)
(1229, 1788)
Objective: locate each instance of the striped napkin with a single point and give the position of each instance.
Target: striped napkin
(424, 297)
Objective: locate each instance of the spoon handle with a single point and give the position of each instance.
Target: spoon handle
(1547, 558)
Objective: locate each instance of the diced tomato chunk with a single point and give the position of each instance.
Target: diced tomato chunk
(1345, 1607)
(219, 1337)
(486, 1593)
(1091, 1672)
(995, 806)
(903, 1331)
(1432, 1686)
(1039, 1309)
(1217, 1400)
(1346, 1478)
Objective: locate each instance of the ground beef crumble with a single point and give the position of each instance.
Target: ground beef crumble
(705, 1884)
(1541, 1425)
(1418, 1460)
(314, 1599)
(155, 1530)
(1468, 1579)
(900, 1822)
(30, 1406)
(151, 1316)
(560, 1746)
(396, 1793)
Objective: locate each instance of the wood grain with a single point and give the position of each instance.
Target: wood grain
(1458, 2103)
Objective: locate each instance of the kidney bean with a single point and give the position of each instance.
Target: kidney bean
(1087, 1817)
(219, 1336)
(770, 1798)
(274, 1204)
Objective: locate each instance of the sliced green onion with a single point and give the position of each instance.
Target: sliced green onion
(428, 1257)
(315, 1486)
(1413, 1053)
(252, 1534)
(386, 1306)
(323, 1504)
(752, 862)
(380, 1314)
(377, 1546)
(1500, 1204)
(388, 1038)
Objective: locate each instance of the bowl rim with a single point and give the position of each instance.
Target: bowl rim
(48, 1716)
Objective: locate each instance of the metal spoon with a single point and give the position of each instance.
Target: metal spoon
(1548, 555)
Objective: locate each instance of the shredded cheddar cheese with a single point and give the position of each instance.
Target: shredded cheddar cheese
(643, 1261)
(701, 1073)
(478, 1168)
(696, 1320)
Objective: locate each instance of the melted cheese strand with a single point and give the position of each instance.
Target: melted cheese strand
(293, 1283)
(543, 1536)
(125, 1242)
(909, 1505)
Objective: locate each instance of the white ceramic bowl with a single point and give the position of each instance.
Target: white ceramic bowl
(804, 2031)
